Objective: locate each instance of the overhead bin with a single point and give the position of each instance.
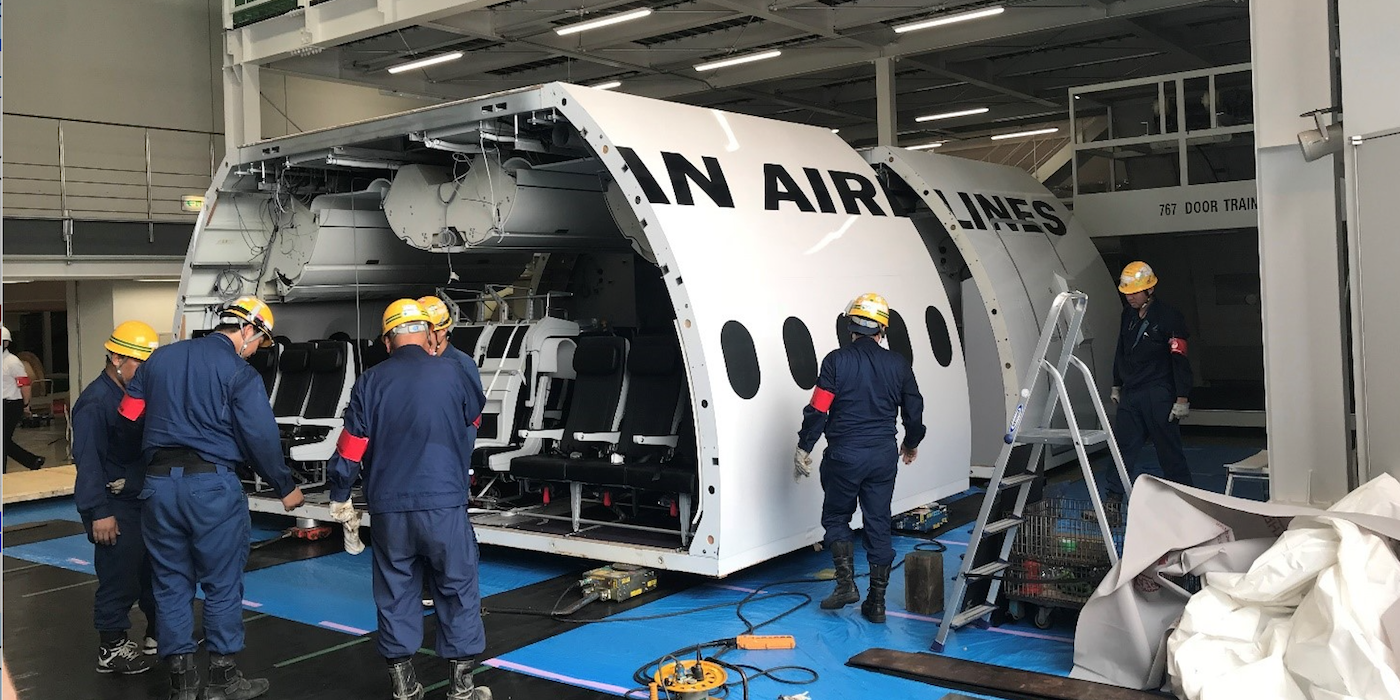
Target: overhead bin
(1005, 247)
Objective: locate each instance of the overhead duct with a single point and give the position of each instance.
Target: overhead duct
(349, 250)
(490, 206)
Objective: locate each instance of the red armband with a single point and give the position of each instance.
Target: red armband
(351, 447)
(821, 399)
(1178, 346)
(22, 381)
(131, 407)
(477, 423)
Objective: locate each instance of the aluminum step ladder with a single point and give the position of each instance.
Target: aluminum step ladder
(1065, 320)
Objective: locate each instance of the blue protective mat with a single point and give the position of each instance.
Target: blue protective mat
(39, 511)
(335, 591)
(825, 640)
(331, 591)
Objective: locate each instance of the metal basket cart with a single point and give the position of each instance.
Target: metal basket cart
(1059, 557)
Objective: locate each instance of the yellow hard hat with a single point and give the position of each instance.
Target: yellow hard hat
(1136, 277)
(401, 316)
(869, 314)
(133, 339)
(253, 311)
(437, 311)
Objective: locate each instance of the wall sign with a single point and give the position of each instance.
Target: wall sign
(1225, 205)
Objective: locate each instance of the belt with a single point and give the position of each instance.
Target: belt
(165, 470)
(170, 458)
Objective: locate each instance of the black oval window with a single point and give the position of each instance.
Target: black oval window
(843, 331)
(898, 336)
(939, 336)
(740, 359)
(801, 354)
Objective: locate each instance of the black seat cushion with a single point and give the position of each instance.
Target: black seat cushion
(482, 455)
(597, 392)
(327, 364)
(296, 380)
(655, 392)
(664, 477)
(465, 338)
(373, 353)
(265, 362)
(600, 472)
(542, 467)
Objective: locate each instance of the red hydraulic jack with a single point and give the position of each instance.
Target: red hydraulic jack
(305, 529)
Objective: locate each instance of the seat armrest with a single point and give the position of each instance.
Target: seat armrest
(323, 422)
(656, 440)
(610, 438)
(556, 434)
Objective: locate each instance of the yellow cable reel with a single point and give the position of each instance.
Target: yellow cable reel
(689, 679)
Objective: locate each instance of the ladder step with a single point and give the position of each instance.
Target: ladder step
(1060, 436)
(1002, 525)
(972, 614)
(989, 569)
(1014, 481)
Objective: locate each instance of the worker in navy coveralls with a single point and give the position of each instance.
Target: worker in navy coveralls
(1151, 381)
(206, 412)
(408, 428)
(107, 453)
(861, 390)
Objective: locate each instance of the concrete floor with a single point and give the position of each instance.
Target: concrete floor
(49, 442)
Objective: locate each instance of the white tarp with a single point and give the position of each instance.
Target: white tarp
(1298, 602)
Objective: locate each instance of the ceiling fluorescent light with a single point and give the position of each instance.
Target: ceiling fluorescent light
(608, 85)
(739, 60)
(924, 146)
(1033, 132)
(602, 22)
(425, 62)
(950, 115)
(948, 19)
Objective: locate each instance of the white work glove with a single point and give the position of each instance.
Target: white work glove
(1180, 410)
(349, 518)
(802, 464)
(342, 511)
(1115, 395)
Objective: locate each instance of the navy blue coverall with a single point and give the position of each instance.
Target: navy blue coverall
(206, 412)
(409, 427)
(861, 390)
(469, 366)
(107, 447)
(1151, 366)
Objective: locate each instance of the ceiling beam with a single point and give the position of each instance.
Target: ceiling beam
(758, 9)
(1162, 41)
(826, 56)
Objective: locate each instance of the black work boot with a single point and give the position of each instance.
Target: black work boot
(117, 654)
(226, 683)
(463, 684)
(843, 556)
(405, 681)
(874, 606)
(184, 679)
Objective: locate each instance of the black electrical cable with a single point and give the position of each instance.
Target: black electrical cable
(645, 675)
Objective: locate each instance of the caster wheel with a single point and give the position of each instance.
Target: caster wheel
(1042, 618)
(1016, 610)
